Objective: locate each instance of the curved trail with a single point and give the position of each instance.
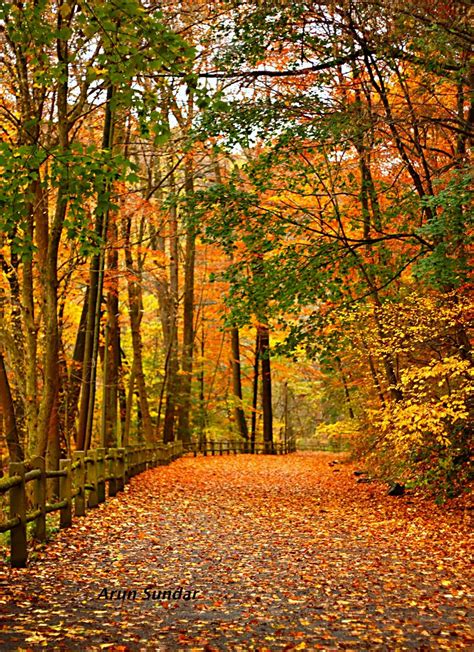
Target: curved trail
(280, 553)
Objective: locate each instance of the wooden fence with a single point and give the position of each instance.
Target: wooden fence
(235, 447)
(83, 482)
(82, 485)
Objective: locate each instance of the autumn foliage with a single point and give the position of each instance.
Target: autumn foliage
(238, 221)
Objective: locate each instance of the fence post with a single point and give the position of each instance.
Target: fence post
(131, 463)
(212, 447)
(93, 499)
(148, 460)
(120, 469)
(127, 456)
(134, 469)
(113, 471)
(65, 490)
(18, 548)
(138, 460)
(40, 499)
(101, 475)
(80, 480)
(159, 454)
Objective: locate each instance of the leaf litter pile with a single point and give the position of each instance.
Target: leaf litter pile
(281, 553)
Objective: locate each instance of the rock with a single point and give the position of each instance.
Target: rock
(360, 472)
(396, 489)
(360, 480)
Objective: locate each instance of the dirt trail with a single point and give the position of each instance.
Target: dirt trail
(276, 553)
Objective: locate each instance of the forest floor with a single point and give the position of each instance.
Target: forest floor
(282, 553)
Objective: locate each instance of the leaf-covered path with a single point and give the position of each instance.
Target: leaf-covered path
(284, 552)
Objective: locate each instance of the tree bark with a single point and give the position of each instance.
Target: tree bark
(266, 388)
(48, 431)
(172, 384)
(256, 364)
(136, 311)
(239, 413)
(75, 374)
(184, 431)
(12, 437)
(96, 274)
(112, 358)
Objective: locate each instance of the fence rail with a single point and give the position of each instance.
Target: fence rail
(235, 447)
(82, 485)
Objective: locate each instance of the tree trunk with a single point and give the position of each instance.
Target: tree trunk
(239, 413)
(96, 274)
(266, 389)
(26, 407)
(53, 451)
(202, 399)
(112, 359)
(129, 408)
(184, 432)
(51, 355)
(136, 311)
(39, 215)
(48, 418)
(12, 437)
(75, 374)
(253, 428)
(172, 385)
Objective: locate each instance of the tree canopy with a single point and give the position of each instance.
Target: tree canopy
(238, 219)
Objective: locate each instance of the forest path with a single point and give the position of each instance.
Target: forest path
(284, 553)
